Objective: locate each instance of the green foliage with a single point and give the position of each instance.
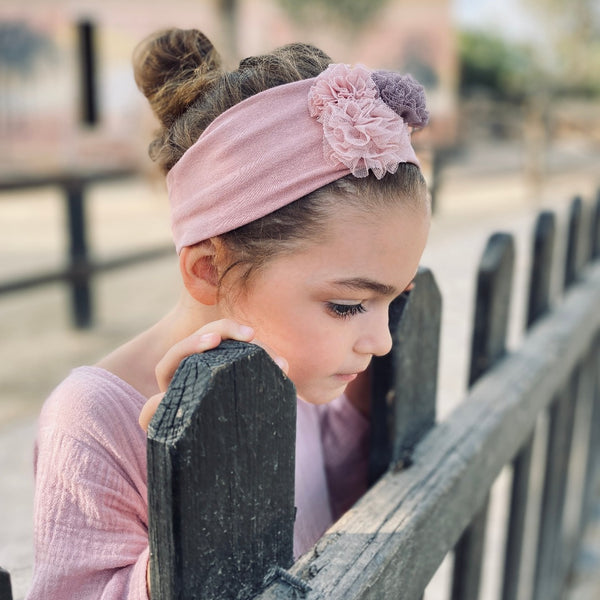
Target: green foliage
(489, 63)
(572, 36)
(355, 13)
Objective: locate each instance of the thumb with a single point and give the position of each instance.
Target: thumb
(281, 362)
(149, 409)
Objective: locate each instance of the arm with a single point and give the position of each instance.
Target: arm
(90, 512)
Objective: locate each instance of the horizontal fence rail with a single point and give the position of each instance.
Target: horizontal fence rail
(80, 268)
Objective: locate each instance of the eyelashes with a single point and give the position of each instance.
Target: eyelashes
(344, 311)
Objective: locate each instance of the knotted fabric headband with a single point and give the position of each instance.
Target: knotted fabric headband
(283, 143)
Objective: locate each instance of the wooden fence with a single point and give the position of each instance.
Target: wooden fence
(221, 449)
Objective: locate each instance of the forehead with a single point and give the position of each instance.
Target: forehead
(384, 245)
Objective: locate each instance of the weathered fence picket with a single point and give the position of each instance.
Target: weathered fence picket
(595, 229)
(5, 587)
(576, 243)
(221, 476)
(494, 287)
(404, 382)
(431, 482)
(550, 548)
(593, 456)
(538, 304)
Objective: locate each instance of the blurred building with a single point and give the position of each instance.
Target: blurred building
(40, 124)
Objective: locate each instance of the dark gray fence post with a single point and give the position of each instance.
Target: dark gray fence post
(221, 451)
(591, 490)
(405, 380)
(78, 253)
(540, 274)
(593, 460)
(538, 305)
(5, 587)
(575, 243)
(584, 436)
(87, 73)
(550, 545)
(494, 285)
(595, 225)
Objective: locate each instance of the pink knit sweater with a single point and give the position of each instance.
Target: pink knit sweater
(91, 512)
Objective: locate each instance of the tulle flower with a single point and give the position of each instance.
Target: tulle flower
(360, 129)
(340, 82)
(404, 95)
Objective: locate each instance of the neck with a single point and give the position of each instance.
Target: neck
(136, 360)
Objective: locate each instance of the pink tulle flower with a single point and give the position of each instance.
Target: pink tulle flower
(359, 129)
(362, 134)
(339, 82)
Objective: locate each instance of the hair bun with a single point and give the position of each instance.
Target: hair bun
(173, 68)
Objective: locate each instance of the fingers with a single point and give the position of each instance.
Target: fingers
(166, 367)
(149, 409)
(206, 338)
(281, 362)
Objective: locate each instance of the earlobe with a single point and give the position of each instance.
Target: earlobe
(199, 272)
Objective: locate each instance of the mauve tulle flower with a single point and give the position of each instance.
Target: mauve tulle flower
(404, 95)
(359, 129)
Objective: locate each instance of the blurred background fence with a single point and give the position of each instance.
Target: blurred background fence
(70, 115)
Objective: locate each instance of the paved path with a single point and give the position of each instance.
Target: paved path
(39, 347)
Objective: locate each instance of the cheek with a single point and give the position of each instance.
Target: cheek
(314, 353)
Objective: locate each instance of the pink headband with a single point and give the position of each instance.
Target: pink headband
(290, 140)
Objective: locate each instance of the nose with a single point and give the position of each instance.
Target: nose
(375, 339)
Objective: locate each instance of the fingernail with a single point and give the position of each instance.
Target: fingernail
(281, 363)
(246, 331)
(207, 338)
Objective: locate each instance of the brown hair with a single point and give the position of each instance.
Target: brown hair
(182, 75)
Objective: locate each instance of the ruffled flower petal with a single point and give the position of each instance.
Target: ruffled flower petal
(337, 82)
(404, 95)
(362, 135)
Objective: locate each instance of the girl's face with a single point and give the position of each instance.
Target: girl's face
(325, 307)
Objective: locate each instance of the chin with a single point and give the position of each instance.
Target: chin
(321, 397)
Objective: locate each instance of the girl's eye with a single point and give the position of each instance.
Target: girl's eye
(345, 310)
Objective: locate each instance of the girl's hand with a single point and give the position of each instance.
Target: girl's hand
(206, 338)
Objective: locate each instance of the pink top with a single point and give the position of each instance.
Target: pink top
(91, 512)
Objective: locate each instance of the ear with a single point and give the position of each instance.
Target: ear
(199, 271)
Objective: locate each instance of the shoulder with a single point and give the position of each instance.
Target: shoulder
(92, 407)
(94, 393)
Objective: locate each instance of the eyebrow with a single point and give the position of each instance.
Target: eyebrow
(363, 283)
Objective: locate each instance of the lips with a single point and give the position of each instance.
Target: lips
(346, 376)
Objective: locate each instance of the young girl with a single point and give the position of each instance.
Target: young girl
(299, 212)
